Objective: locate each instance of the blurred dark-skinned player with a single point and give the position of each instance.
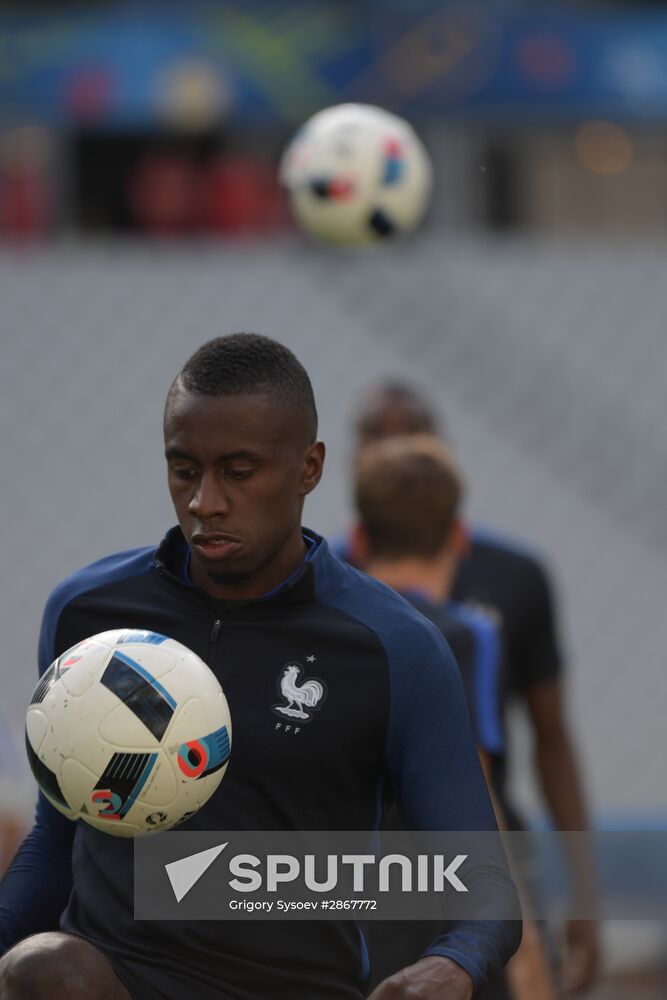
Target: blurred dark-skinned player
(408, 494)
(510, 582)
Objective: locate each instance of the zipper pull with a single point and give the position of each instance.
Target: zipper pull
(215, 630)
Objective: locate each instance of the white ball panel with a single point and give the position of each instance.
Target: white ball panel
(161, 789)
(189, 724)
(36, 726)
(87, 660)
(79, 781)
(158, 660)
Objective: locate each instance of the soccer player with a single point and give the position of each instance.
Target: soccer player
(410, 535)
(504, 578)
(247, 588)
(408, 494)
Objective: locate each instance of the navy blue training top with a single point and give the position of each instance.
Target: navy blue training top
(475, 641)
(393, 709)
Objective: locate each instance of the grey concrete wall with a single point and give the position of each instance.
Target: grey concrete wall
(549, 361)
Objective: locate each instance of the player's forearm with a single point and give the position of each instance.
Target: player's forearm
(37, 884)
(431, 978)
(32, 896)
(559, 776)
(528, 971)
(564, 795)
(481, 947)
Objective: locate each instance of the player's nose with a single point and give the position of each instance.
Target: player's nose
(209, 499)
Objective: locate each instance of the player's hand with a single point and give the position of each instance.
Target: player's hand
(432, 978)
(582, 955)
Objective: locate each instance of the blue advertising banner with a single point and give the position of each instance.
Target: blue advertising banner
(140, 65)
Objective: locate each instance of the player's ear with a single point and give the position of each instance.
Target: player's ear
(311, 468)
(460, 539)
(360, 551)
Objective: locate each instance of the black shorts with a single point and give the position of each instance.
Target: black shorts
(136, 978)
(133, 978)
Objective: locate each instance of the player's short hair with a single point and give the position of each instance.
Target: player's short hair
(408, 491)
(392, 407)
(246, 363)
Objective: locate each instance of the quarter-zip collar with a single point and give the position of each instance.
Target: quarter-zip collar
(297, 588)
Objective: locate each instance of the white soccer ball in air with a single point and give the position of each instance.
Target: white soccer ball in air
(128, 731)
(356, 174)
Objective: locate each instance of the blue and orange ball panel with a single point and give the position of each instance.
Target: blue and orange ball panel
(197, 758)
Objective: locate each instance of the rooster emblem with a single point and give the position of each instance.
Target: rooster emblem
(308, 694)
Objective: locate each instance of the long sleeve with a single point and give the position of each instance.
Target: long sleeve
(36, 887)
(37, 884)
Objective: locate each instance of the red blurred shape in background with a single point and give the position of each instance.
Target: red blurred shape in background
(25, 204)
(240, 194)
(26, 183)
(163, 193)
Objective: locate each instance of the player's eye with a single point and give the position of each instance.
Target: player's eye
(182, 472)
(238, 474)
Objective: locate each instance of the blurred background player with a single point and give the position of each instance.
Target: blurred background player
(408, 494)
(513, 586)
